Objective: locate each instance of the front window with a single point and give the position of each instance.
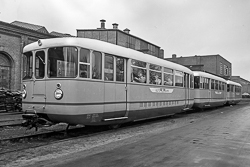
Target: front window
(62, 62)
(27, 65)
(40, 65)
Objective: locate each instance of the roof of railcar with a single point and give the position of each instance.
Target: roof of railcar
(233, 83)
(207, 75)
(105, 47)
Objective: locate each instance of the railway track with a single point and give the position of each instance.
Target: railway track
(24, 142)
(37, 140)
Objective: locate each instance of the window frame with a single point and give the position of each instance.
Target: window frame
(152, 74)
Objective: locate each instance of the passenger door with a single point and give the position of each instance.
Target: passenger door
(39, 82)
(209, 89)
(115, 84)
(187, 90)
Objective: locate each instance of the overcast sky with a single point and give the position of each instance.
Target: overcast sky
(182, 27)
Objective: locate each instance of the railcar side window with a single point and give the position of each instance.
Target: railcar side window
(62, 62)
(196, 82)
(207, 80)
(238, 89)
(191, 81)
(232, 88)
(216, 85)
(228, 88)
(109, 68)
(220, 87)
(139, 71)
(40, 64)
(27, 65)
(96, 65)
(155, 74)
(168, 76)
(212, 84)
(201, 82)
(120, 69)
(84, 63)
(179, 78)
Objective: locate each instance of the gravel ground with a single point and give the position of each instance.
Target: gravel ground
(67, 150)
(17, 131)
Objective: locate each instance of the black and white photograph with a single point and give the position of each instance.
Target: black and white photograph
(122, 83)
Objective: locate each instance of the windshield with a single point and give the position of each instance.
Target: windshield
(62, 62)
(27, 65)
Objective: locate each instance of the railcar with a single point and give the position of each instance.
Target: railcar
(233, 92)
(210, 90)
(91, 82)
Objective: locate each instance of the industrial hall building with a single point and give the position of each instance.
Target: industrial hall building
(122, 38)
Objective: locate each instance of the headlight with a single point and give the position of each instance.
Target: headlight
(58, 94)
(24, 94)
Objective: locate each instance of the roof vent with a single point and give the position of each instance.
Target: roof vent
(126, 31)
(115, 26)
(102, 23)
(174, 56)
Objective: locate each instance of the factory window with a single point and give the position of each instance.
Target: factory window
(225, 70)
(131, 42)
(221, 68)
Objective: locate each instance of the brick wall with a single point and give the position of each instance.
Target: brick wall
(12, 41)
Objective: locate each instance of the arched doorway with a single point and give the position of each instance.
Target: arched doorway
(5, 71)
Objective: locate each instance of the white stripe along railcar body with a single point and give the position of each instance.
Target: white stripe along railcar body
(233, 92)
(210, 90)
(90, 82)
